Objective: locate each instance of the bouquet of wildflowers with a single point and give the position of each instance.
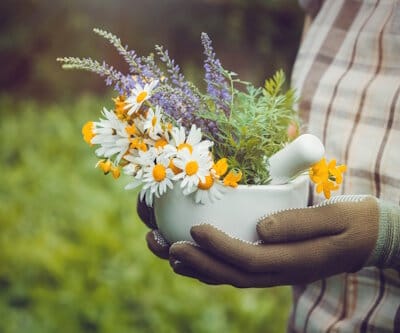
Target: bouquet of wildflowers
(162, 131)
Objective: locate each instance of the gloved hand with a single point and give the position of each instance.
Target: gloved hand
(297, 246)
(155, 241)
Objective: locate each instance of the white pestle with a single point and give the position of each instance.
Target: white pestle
(295, 158)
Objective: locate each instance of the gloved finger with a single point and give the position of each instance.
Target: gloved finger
(332, 217)
(157, 244)
(270, 258)
(146, 214)
(306, 223)
(182, 269)
(245, 255)
(201, 265)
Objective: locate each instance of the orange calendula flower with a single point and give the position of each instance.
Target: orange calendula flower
(233, 178)
(221, 167)
(327, 176)
(87, 132)
(336, 172)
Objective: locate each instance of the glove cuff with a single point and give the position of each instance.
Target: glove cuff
(387, 250)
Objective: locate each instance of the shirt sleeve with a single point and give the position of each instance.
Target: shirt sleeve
(311, 6)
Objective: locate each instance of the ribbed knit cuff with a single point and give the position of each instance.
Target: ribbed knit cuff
(387, 251)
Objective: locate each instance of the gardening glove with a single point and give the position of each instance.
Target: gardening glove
(297, 246)
(155, 241)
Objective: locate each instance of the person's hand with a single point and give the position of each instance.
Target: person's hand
(155, 241)
(297, 246)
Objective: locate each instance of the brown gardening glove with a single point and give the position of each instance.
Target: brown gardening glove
(297, 246)
(155, 241)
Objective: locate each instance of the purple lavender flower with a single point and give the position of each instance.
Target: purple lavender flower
(190, 98)
(180, 100)
(217, 86)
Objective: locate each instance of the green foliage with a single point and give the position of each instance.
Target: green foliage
(72, 250)
(256, 128)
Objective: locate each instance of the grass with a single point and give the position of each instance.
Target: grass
(72, 250)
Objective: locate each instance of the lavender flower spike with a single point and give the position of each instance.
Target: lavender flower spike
(217, 86)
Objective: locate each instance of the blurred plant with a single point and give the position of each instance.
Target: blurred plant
(72, 257)
(253, 37)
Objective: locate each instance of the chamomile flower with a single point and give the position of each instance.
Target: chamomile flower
(211, 189)
(138, 161)
(208, 191)
(194, 167)
(157, 178)
(192, 141)
(152, 123)
(111, 135)
(139, 95)
(163, 139)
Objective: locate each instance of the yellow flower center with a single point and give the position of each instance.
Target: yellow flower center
(141, 96)
(87, 132)
(191, 168)
(207, 184)
(160, 143)
(185, 145)
(154, 121)
(159, 172)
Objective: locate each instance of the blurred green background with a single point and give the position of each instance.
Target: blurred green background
(72, 251)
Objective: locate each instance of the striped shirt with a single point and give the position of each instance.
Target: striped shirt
(347, 74)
